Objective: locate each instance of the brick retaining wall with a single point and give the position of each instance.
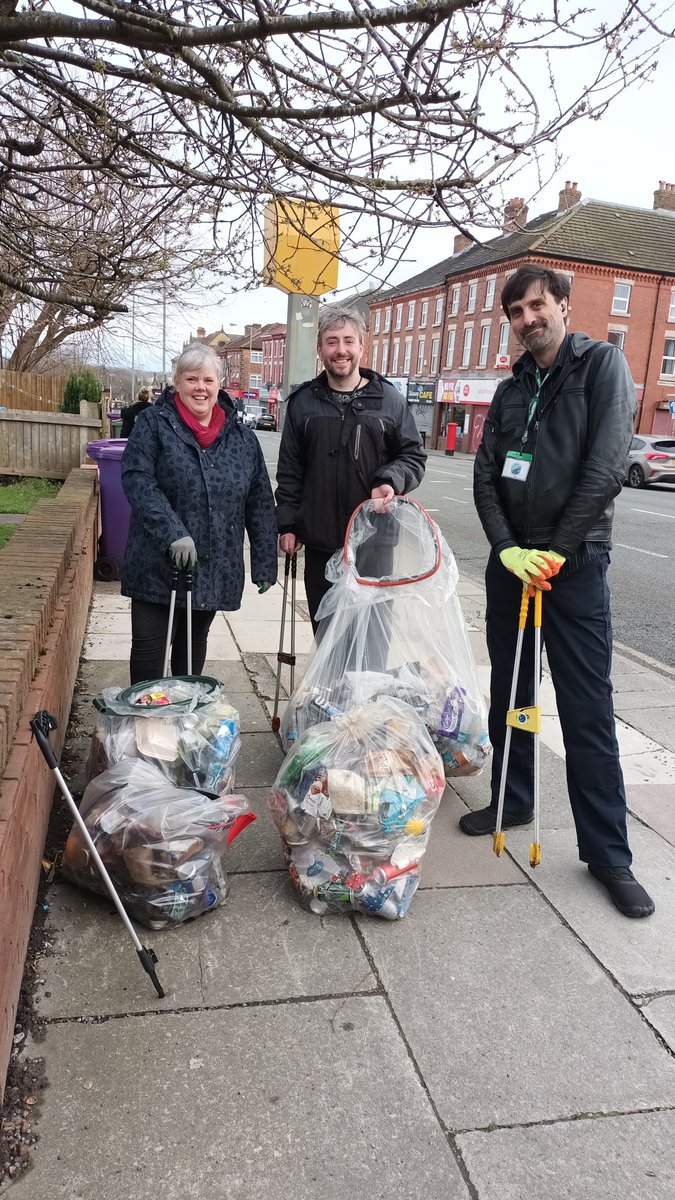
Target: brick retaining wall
(46, 574)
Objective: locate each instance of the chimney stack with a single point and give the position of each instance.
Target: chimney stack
(201, 332)
(461, 242)
(515, 215)
(568, 196)
(665, 196)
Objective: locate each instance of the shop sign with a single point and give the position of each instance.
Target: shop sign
(420, 392)
(466, 390)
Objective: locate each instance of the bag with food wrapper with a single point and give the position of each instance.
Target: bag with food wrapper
(185, 727)
(163, 846)
(392, 625)
(353, 803)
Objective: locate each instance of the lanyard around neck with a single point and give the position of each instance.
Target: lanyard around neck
(540, 380)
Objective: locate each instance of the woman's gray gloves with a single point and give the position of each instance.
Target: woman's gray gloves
(183, 552)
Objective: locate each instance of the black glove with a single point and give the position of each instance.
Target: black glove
(183, 552)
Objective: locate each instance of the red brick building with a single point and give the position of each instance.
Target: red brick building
(621, 265)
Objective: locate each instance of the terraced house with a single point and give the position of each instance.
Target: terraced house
(443, 336)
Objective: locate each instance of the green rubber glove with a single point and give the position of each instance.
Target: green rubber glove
(531, 566)
(263, 587)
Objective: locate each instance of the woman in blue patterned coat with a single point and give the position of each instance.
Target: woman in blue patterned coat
(196, 481)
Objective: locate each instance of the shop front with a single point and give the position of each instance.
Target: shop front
(420, 396)
(463, 402)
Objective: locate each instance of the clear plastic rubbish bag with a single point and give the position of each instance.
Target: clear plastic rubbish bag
(163, 846)
(185, 727)
(353, 803)
(394, 627)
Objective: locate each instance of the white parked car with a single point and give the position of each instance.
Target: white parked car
(251, 416)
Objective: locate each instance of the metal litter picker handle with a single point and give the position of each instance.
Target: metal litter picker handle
(528, 720)
(290, 568)
(188, 619)
(41, 726)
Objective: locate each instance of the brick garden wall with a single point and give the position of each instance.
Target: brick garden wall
(46, 574)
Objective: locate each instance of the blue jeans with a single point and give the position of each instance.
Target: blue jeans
(577, 633)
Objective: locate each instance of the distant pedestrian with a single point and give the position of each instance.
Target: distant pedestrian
(551, 461)
(348, 437)
(131, 411)
(197, 484)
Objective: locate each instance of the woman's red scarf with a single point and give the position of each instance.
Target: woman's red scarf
(205, 434)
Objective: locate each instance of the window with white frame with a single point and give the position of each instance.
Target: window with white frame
(484, 345)
(384, 365)
(668, 364)
(373, 361)
(616, 337)
(671, 310)
(424, 314)
(471, 298)
(256, 356)
(621, 299)
(504, 331)
(387, 319)
(438, 311)
(378, 317)
(395, 351)
(398, 318)
(466, 350)
(489, 293)
(411, 314)
(420, 357)
(435, 349)
(454, 305)
(255, 381)
(450, 349)
(407, 355)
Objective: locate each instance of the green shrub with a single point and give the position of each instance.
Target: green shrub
(80, 385)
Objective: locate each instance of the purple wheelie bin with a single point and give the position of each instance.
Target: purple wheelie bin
(115, 510)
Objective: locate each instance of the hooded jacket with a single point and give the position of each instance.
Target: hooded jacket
(214, 495)
(579, 440)
(331, 458)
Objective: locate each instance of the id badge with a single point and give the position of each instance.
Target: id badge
(517, 466)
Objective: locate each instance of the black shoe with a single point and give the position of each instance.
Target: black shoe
(484, 820)
(629, 896)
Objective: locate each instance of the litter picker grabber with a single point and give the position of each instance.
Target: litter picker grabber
(41, 726)
(290, 566)
(526, 719)
(188, 618)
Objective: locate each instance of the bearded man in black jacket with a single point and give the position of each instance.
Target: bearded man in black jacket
(348, 436)
(551, 462)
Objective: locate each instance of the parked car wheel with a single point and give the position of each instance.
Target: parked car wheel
(636, 477)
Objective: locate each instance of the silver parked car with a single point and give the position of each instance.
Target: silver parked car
(651, 459)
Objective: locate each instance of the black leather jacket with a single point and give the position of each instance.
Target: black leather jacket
(330, 460)
(579, 440)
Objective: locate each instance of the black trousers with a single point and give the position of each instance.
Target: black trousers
(148, 640)
(577, 633)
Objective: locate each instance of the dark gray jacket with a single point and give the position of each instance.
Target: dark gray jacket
(579, 441)
(215, 495)
(330, 459)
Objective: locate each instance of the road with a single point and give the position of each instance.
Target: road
(642, 575)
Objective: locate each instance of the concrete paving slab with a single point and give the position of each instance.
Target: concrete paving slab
(262, 637)
(631, 693)
(555, 807)
(186, 1105)
(223, 645)
(508, 1016)
(102, 623)
(252, 714)
(97, 674)
(617, 1158)
(660, 1013)
(639, 954)
(258, 848)
(658, 724)
(259, 760)
(107, 646)
(264, 946)
(655, 805)
(653, 765)
(455, 860)
(262, 671)
(233, 675)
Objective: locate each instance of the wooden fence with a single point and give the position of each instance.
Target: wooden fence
(34, 393)
(50, 445)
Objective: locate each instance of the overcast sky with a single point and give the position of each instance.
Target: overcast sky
(619, 158)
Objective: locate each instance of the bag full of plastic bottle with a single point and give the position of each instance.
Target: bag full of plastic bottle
(392, 625)
(353, 802)
(163, 846)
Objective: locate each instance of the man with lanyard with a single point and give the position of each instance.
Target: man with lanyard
(348, 436)
(551, 461)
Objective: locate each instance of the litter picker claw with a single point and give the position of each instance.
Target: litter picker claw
(41, 726)
(528, 720)
(290, 567)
